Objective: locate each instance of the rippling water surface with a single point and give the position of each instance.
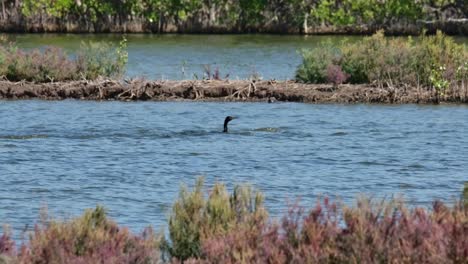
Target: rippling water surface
(132, 157)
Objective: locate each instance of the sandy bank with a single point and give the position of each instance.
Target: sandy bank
(212, 90)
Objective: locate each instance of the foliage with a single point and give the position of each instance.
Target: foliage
(40, 66)
(91, 238)
(54, 8)
(336, 75)
(96, 59)
(243, 15)
(53, 64)
(232, 227)
(434, 62)
(7, 247)
(385, 232)
(315, 62)
(351, 12)
(195, 219)
(465, 195)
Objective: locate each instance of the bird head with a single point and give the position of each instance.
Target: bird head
(226, 121)
(229, 118)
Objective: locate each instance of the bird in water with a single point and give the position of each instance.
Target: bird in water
(226, 121)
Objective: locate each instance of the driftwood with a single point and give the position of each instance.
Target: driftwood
(212, 90)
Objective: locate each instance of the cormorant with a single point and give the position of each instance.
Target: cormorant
(226, 121)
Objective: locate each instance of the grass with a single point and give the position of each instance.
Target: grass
(233, 227)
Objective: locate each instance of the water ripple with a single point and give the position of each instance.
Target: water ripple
(132, 157)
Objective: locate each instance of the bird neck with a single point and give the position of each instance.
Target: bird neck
(225, 128)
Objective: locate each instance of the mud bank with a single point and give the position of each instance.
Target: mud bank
(213, 90)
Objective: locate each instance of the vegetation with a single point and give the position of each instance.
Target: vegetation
(222, 15)
(91, 238)
(429, 62)
(53, 64)
(195, 220)
(233, 228)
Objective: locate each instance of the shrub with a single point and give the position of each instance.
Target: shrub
(434, 62)
(96, 59)
(385, 232)
(465, 195)
(314, 63)
(91, 238)
(232, 227)
(7, 248)
(54, 64)
(195, 219)
(50, 65)
(336, 75)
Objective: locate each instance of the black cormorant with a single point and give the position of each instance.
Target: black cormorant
(226, 121)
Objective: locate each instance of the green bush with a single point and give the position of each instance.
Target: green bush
(195, 219)
(315, 62)
(434, 62)
(102, 59)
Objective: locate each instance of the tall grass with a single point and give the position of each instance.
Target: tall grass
(92, 60)
(431, 62)
(232, 227)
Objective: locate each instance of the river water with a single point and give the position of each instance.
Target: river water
(185, 56)
(132, 157)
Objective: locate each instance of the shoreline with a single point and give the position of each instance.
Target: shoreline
(450, 26)
(226, 91)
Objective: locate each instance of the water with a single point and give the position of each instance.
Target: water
(185, 56)
(132, 157)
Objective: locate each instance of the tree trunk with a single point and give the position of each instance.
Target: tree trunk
(212, 14)
(3, 10)
(159, 22)
(306, 28)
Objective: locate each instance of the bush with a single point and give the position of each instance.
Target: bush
(465, 195)
(232, 227)
(53, 64)
(102, 59)
(91, 238)
(7, 248)
(385, 232)
(195, 219)
(315, 62)
(433, 62)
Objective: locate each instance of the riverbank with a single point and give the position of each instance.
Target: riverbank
(227, 91)
(456, 26)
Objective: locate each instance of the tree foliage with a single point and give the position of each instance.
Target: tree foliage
(245, 14)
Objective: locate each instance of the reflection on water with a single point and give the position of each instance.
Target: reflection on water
(19, 137)
(132, 157)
